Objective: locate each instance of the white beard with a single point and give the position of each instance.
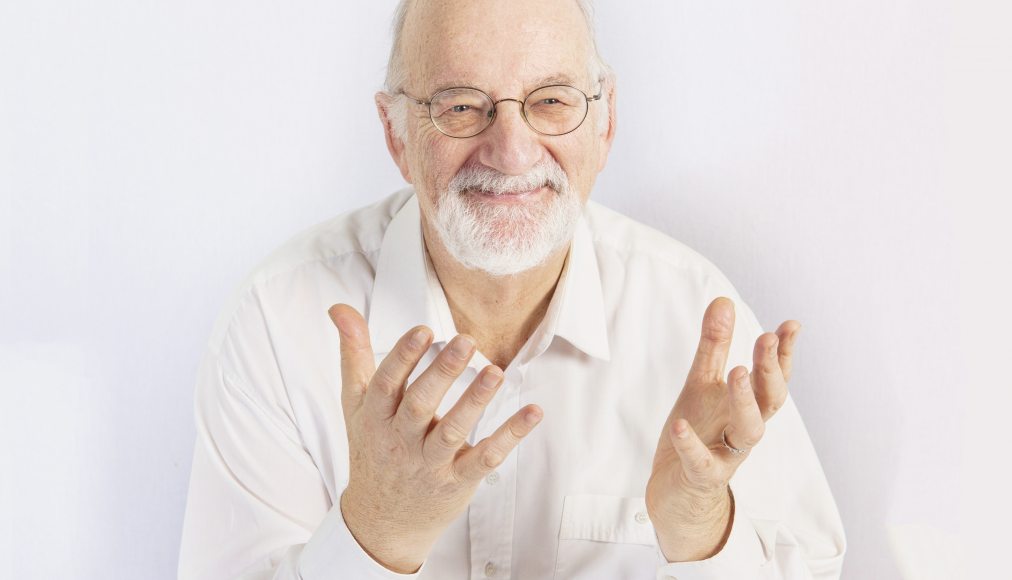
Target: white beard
(503, 240)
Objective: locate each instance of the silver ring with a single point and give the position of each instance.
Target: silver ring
(723, 439)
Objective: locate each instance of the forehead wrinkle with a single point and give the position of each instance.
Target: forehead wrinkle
(544, 81)
(482, 43)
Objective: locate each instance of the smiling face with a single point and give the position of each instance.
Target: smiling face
(499, 199)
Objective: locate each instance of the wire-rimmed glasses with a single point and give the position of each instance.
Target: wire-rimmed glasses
(462, 112)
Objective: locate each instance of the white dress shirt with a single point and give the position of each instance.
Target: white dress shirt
(606, 364)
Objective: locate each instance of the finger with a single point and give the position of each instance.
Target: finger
(714, 341)
(788, 334)
(698, 464)
(450, 433)
(767, 377)
(357, 364)
(386, 389)
(491, 451)
(422, 398)
(746, 425)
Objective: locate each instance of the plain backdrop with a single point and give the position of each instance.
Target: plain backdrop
(841, 162)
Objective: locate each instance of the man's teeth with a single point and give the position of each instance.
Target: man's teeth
(513, 192)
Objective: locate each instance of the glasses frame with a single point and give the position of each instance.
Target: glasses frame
(495, 108)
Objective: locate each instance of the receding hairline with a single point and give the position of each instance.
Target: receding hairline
(397, 74)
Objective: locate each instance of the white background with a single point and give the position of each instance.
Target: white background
(840, 161)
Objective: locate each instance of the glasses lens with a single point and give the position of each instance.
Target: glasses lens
(556, 110)
(461, 112)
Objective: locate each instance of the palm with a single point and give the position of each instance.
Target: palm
(691, 461)
(704, 404)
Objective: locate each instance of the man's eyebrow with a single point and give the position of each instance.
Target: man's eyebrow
(553, 79)
(556, 79)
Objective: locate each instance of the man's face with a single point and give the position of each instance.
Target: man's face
(507, 50)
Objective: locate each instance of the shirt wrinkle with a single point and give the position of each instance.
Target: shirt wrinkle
(272, 460)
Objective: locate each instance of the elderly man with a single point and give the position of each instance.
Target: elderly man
(517, 395)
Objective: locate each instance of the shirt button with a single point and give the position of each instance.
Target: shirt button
(492, 478)
(642, 518)
(489, 569)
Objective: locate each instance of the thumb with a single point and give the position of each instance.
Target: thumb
(357, 362)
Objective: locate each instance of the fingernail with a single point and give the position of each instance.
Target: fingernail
(743, 381)
(681, 432)
(532, 418)
(461, 346)
(418, 339)
(342, 327)
(491, 379)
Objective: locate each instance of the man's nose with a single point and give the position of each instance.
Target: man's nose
(510, 145)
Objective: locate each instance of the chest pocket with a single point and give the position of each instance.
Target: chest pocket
(604, 536)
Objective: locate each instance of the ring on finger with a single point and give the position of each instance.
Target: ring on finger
(734, 450)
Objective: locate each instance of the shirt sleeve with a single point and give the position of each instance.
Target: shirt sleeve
(740, 557)
(257, 507)
(786, 524)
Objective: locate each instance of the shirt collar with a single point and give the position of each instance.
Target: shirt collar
(407, 293)
(582, 318)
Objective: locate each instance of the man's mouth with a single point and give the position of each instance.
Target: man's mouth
(509, 196)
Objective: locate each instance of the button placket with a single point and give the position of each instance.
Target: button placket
(492, 509)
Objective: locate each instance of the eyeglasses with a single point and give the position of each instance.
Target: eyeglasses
(462, 112)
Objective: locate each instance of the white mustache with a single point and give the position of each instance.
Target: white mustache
(481, 178)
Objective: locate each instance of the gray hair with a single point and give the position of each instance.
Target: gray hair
(397, 73)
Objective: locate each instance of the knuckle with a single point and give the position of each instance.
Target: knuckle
(513, 433)
(770, 367)
(385, 381)
(786, 343)
(701, 464)
(451, 434)
(356, 385)
(415, 408)
(351, 349)
(773, 406)
(456, 476)
(491, 458)
(402, 355)
(705, 464)
(445, 366)
(774, 348)
(477, 400)
(752, 438)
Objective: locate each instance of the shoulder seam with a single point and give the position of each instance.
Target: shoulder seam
(236, 384)
(254, 283)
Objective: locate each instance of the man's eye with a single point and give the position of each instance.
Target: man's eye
(460, 108)
(550, 101)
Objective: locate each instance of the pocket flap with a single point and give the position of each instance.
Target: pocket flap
(606, 518)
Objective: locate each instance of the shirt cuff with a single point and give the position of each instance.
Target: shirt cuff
(333, 552)
(742, 557)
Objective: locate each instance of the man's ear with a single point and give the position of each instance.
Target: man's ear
(386, 107)
(608, 135)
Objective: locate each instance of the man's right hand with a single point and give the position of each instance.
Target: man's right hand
(412, 473)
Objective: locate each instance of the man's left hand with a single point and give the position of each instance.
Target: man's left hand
(688, 497)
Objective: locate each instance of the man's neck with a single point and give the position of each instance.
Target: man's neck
(500, 312)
